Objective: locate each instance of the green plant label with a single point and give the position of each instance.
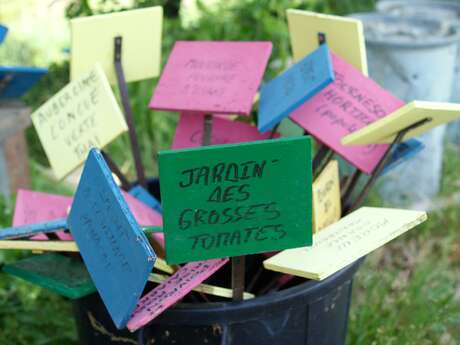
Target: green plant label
(231, 200)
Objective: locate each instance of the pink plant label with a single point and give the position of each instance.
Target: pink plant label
(145, 215)
(172, 290)
(35, 207)
(212, 77)
(189, 131)
(350, 102)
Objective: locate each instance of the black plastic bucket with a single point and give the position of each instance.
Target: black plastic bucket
(314, 313)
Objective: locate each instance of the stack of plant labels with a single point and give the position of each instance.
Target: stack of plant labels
(231, 186)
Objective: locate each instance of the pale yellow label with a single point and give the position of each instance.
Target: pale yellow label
(385, 130)
(345, 241)
(93, 42)
(326, 197)
(84, 114)
(344, 36)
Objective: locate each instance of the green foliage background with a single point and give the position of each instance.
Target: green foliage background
(405, 294)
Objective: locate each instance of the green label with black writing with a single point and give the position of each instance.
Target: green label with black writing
(231, 200)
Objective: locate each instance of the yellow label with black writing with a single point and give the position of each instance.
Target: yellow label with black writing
(82, 115)
(326, 197)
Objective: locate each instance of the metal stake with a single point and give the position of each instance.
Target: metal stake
(125, 185)
(377, 171)
(128, 112)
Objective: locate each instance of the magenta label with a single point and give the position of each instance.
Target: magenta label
(352, 101)
(189, 131)
(172, 290)
(212, 77)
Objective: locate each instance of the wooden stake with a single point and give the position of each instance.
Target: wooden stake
(42, 246)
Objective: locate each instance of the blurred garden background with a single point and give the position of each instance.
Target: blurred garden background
(407, 293)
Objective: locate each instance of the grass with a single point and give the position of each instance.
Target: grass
(407, 292)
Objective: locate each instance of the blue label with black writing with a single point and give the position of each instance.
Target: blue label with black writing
(116, 252)
(295, 86)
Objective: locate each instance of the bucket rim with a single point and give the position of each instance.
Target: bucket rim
(452, 35)
(231, 311)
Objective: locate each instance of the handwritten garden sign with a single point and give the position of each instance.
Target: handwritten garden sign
(212, 77)
(36, 207)
(351, 102)
(344, 36)
(326, 197)
(140, 31)
(236, 199)
(172, 290)
(289, 90)
(189, 131)
(84, 114)
(344, 242)
(114, 248)
(386, 129)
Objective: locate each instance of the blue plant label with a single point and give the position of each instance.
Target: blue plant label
(3, 32)
(143, 195)
(16, 81)
(285, 93)
(116, 252)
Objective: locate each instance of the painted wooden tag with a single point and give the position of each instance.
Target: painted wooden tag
(344, 36)
(41, 246)
(189, 132)
(141, 194)
(143, 214)
(3, 33)
(351, 102)
(212, 77)
(289, 90)
(172, 290)
(16, 81)
(84, 114)
(402, 153)
(386, 129)
(326, 197)
(60, 274)
(341, 243)
(115, 250)
(141, 32)
(36, 207)
(236, 199)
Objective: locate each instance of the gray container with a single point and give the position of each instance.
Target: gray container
(14, 164)
(449, 13)
(413, 58)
